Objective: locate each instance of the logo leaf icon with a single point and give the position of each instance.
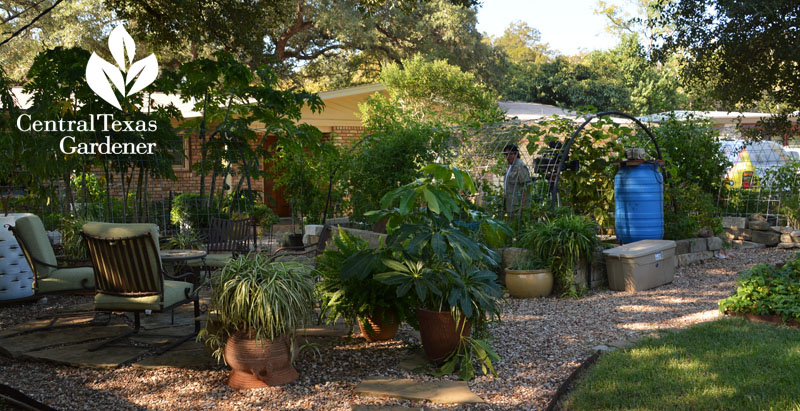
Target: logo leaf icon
(101, 75)
(118, 42)
(146, 69)
(98, 74)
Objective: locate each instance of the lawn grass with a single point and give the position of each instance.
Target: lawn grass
(729, 364)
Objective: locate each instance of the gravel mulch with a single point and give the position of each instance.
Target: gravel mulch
(541, 341)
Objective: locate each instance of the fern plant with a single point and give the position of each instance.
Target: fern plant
(349, 297)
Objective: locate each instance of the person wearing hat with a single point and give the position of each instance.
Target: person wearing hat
(515, 181)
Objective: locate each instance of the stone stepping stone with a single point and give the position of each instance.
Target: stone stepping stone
(438, 391)
(415, 361)
(47, 322)
(16, 346)
(80, 356)
(190, 354)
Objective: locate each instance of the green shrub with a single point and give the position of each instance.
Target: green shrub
(691, 151)
(263, 215)
(94, 187)
(190, 209)
(687, 209)
(767, 290)
(384, 161)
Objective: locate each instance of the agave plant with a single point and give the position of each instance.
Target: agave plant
(265, 299)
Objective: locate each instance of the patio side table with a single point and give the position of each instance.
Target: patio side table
(171, 258)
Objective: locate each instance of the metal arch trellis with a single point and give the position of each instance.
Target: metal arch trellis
(478, 151)
(564, 154)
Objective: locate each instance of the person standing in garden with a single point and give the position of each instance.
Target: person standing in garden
(515, 181)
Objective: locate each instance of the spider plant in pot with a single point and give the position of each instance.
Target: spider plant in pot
(566, 241)
(259, 305)
(436, 265)
(357, 296)
(529, 276)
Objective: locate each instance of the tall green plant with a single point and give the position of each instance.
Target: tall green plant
(348, 297)
(435, 263)
(567, 241)
(262, 298)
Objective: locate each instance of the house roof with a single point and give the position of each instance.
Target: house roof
(716, 117)
(532, 111)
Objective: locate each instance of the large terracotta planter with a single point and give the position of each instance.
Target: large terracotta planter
(439, 333)
(258, 364)
(529, 283)
(383, 327)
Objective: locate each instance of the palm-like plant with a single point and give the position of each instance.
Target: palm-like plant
(264, 299)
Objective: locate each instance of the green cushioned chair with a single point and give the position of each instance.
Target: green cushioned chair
(129, 275)
(48, 276)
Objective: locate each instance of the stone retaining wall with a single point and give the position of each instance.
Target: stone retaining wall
(756, 229)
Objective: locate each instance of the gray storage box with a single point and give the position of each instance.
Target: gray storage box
(641, 265)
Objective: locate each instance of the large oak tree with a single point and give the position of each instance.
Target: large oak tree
(738, 52)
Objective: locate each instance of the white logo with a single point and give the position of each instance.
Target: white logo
(101, 74)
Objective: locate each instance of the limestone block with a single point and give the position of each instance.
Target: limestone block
(769, 238)
(788, 245)
(786, 238)
(312, 229)
(697, 245)
(682, 246)
(759, 225)
(795, 234)
(757, 217)
(714, 243)
(734, 222)
(782, 229)
(737, 233)
(694, 258)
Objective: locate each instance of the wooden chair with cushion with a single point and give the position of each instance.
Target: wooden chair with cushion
(129, 275)
(48, 275)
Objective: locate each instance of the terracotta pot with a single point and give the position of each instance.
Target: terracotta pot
(258, 364)
(529, 283)
(439, 333)
(383, 327)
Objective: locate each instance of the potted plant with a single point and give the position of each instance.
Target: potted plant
(529, 276)
(357, 296)
(258, 306)
(565, 240)
(263, 217)
(439, 267)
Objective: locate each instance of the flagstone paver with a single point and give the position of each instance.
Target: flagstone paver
(415, 361)
(47, 322)
(16, 346)
(190, 354)
(80, 356)
(441, 391)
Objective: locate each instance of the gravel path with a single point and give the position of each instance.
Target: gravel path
(540, 341)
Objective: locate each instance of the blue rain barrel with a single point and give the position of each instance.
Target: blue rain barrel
(639, 198)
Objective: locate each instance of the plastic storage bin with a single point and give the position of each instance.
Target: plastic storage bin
(640, 265)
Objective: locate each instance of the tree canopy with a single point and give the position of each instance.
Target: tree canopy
(736, 52)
